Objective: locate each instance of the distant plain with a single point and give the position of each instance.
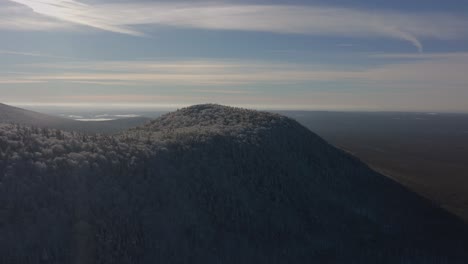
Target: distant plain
(426, 152)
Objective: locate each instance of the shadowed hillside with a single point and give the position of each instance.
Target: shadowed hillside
(11, 114)
(209, 184)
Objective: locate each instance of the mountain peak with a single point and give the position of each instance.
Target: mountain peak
(218, 119)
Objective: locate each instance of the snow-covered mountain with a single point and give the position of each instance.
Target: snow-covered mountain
(209, 184)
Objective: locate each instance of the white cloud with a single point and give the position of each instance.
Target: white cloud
(419, 71)
(32, 54)
(20, 17)
(421, 56)
(315, 20)
(189, 73)
(223, 91)
(435, 83)
(446, 74)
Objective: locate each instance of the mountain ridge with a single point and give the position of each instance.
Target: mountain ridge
(16, 115)
(209, 184)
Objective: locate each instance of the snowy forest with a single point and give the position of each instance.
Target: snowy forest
(208, 184)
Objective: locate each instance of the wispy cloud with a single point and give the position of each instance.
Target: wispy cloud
(223, 91)
(423, 56)
(21, 17)
(315, 20)
(76, 12)
(8, 80)
(403, 81)
(421, 71)
(33, 54)
(188, 73)
(442, 72)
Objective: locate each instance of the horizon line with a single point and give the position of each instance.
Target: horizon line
(266, 107)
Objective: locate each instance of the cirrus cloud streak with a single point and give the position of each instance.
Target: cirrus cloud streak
(127, 17)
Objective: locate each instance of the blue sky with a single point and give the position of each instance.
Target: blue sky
(334, 55)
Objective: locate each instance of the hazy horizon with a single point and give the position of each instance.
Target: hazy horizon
(56, 108)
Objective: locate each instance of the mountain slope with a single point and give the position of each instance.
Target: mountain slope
(11, 114)
(15, 115)
(209, 184)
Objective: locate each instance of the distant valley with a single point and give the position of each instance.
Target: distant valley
(15, 115)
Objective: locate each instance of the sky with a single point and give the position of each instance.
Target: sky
(371, 55)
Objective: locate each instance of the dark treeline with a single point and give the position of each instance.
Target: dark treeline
(208, 184)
